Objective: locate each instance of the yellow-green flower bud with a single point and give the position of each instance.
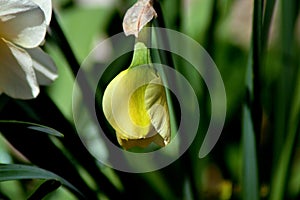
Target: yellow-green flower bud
(135, 103)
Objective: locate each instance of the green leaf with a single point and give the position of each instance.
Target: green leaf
(45, 188)
(159, 184)
(79, 32)
(287, 115)
(252, 108)
(250, 174)
(18, 172)
(37, 127)
(269, 12)
(281, 173)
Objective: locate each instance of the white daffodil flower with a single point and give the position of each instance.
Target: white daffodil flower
(23, 65)
(135, 104)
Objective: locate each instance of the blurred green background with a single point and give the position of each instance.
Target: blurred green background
(255, 45)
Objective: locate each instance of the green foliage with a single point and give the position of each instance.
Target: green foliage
(257, 156)
(17, 172)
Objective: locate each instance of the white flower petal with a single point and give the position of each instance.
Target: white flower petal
(43, 65)
(22, 23)
(11, 7)
(17, 77)
(46, 6)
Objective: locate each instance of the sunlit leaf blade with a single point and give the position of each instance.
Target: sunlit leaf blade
(269, 12)
(48, 130)
(40, 150)
(47, 187)
(250, 176)
(281, 173)
(288, 105)
(37, 127)
(252, 109)
(18, 172)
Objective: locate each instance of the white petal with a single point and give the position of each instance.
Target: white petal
(46, 6)
(43, 65)
(22, 22)
(17, 77)
(11, 7)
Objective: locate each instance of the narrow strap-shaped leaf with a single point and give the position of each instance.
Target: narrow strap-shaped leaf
(281, 174)
(40, 150)
(269, 11)
(29, 125)
(250, 173)
(74, 144)
(287, 107)
(18, 172)
(44, 189)
(251, 123)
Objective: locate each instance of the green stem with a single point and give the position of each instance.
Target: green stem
(252, 123)
(62, 42)
(269, 11)
(166, 59)
(287, 110)
(250, 172)
(46, 188)
(144, 36)
(256, 66)
(141, 55)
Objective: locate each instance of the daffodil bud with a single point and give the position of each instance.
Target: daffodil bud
(135, 103)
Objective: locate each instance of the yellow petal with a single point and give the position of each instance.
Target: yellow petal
(134, 119)
(117, 98)
(22, 22)
(17, 77)
(157, 107)
(107, 98)
(144, 142)
(135, 104)
(137, 108)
